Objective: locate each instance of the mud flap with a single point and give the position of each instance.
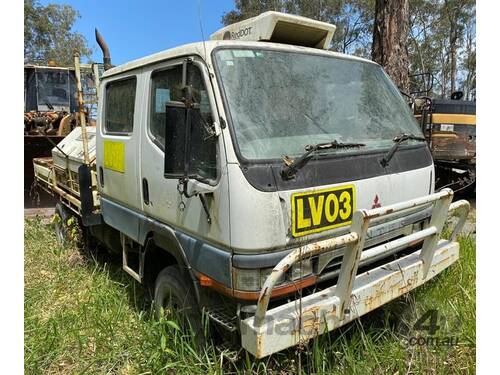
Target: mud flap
(89, 218)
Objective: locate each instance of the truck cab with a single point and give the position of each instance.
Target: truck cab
(267, 169)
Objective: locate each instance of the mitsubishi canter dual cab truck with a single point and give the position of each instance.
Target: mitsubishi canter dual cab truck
(279, 187)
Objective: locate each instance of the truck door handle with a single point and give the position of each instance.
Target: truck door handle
(145, 191)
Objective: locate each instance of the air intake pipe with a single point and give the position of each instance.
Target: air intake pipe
(105, 50)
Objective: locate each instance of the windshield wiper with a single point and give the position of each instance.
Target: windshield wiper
(48, 104)
(397, 141)
(289, 170)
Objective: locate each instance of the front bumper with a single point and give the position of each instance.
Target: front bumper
(354, 295)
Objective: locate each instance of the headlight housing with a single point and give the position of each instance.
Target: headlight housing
(246, 279)
(300, 270)
(254, 279)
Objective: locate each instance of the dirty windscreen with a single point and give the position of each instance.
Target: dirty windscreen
(281, 101)
(53, 89)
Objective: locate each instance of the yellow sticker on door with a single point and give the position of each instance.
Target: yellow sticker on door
(114, 156)
(320, 210)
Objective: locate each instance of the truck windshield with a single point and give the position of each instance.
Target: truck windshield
(53, 89)
(281, 101)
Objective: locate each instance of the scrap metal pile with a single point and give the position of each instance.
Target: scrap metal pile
(57, 123)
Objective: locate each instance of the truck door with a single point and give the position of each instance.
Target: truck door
(161, 198)
(117, 146)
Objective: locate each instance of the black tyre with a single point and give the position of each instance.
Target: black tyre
(60, 224)
(175, 295)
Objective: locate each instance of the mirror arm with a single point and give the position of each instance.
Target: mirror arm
(182, 187)
(205, 207)
(183, 190)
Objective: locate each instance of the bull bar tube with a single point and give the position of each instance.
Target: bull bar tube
(269, 331)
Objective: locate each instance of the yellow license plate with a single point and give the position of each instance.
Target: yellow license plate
(319, 210)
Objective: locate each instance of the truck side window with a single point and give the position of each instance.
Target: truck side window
(167, 86)
(119, 106)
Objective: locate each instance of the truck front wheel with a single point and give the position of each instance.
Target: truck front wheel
(174, 297)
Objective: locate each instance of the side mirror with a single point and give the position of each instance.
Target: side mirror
(457, 95)
(185, 133)
(175, 141)
(183, 151)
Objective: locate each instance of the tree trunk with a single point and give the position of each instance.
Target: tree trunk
(390, 35)
(453, 60)
(451, 14)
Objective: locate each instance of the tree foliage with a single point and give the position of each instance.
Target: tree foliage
(48, 34)
(353, 18)
(443, 42)
(441, 34)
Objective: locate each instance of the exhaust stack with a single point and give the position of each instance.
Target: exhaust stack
(106, 59)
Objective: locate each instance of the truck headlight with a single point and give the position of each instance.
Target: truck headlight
(246, 279)
(251, 279)
(301, 269)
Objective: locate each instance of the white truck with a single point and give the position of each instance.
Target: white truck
(280, 187)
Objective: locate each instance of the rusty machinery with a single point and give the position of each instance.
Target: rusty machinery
(449, 125)
(52, 109)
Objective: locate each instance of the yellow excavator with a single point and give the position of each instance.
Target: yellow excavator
(449, 125)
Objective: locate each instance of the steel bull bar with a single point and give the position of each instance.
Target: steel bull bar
(269, 331)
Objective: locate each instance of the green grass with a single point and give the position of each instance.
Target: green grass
(86, 316)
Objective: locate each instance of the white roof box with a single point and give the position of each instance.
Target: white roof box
(72, 146)
(280, 28)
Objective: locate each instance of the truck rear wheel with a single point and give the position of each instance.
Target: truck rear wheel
(174, 294)
(60, 224)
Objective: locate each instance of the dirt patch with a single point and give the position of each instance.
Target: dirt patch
(45, 213)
